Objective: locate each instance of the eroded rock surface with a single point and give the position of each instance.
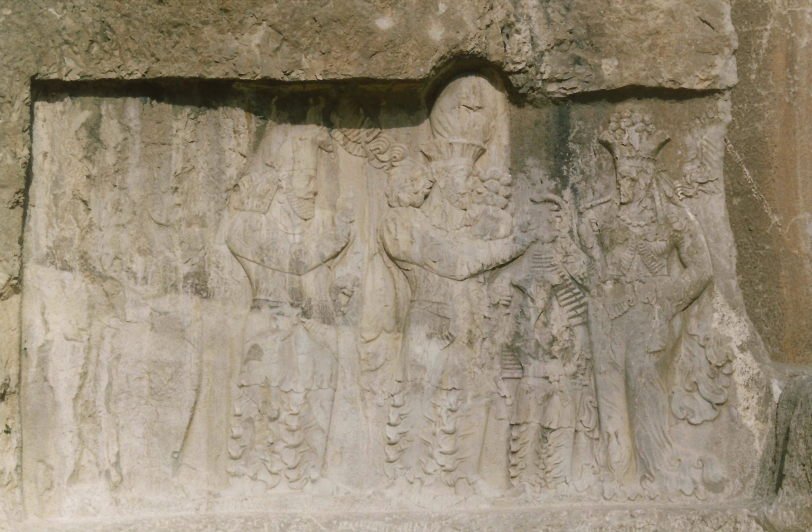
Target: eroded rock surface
(242, 299)
(381, 261)
(790, 482)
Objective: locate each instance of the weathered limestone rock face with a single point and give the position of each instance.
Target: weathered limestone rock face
(788, 473)
(770, 172)
(382, 266)
(315, 292)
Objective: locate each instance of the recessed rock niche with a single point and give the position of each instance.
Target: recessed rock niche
(382, 300)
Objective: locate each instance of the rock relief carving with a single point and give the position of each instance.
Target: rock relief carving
(706, 147)
(371, 332)
(380, 288)
(449, 224)
(364, 139)
(561, 339)
(607, 346)
(650, 323)
(285, 234)
(499, 343)
(554, 426)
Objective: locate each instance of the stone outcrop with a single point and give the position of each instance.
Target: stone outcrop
(398, 264)
(788, 468)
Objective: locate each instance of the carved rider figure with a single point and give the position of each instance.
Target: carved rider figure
(443, 243)
(652, 263)
(284, 235)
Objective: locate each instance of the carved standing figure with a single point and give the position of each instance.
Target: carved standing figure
(443, 239)
(554, 422)
(285, 238)
(652, 266)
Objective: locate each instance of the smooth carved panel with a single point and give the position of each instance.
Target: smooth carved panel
(378, 299)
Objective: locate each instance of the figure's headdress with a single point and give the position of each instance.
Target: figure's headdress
(463, 117)
(299, 147)
(632, 135)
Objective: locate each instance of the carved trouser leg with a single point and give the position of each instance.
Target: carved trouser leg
(246, 432)
(617, 448)
(525, 455)
(320, 403)
(648, 402)
(283, 403)
(290, 453)
(445, 450)
(584, 463)
(252, 430)
(415, 399)
(494, 453)
(453, 434)
(527, 434)
(648, 399)
(556, 452)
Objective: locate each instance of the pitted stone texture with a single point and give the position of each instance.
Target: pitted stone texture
(700, 519)
(320, 40)
(769, 169)
(543, 46)
(791, 461)
(178, 324)
(593, 44)
(235, 296)
(552, 47)
(561, 48)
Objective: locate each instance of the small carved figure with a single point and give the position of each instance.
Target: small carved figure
(287, 377)
(554, 423)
